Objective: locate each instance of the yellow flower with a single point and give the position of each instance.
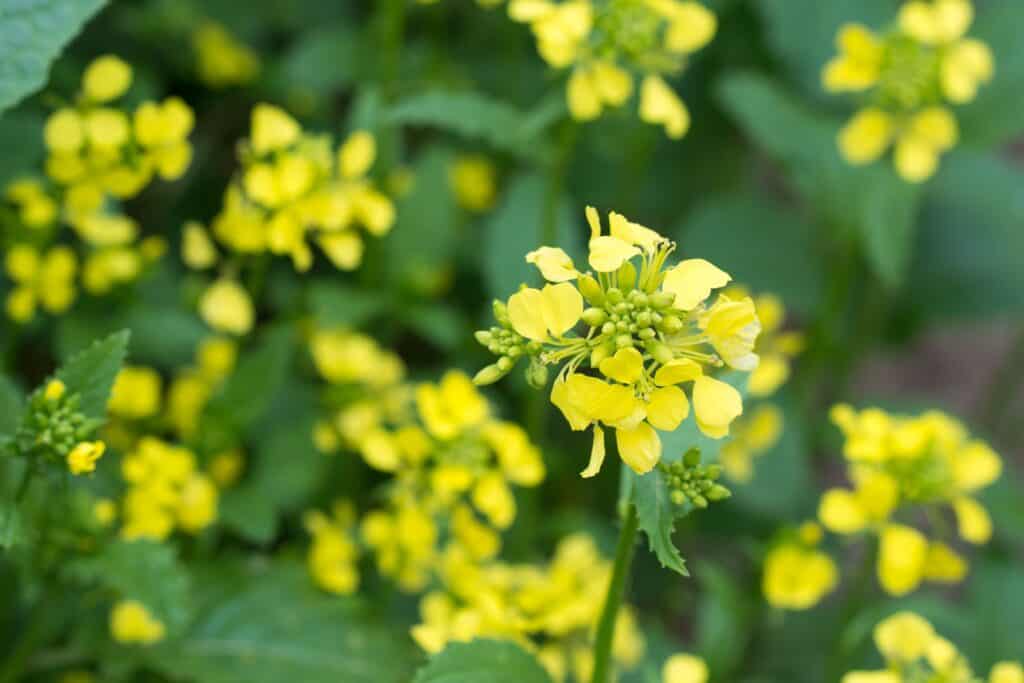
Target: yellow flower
(593, 86)
(1006, 672)
(902, 553)
(131, 623)
(46, 280)
(223, 60)
(554, 264)
(333, 555)
(660, 105)
(732, 328)
(473, 178)
(903, 637)
(692, 281)
(82, 458)
(226, 307)
(64, 131)
(272, 129)
(54, 390)
(859, 62)
(797, 577)
(751, 437)
(683, 668)
(451, 406)
(555, 309)
(106, 78)
(197, 249)
(162, 130)
(136, 393)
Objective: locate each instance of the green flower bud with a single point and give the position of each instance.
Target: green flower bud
(714, 471)
(614, 296)
(659, 351)
(671, 324)
(484, 337)
(699, 501)
(595, 317)
(677, 497)
(591, 290)
(662, 300)
(647, 334)
(489, 375)
(638, 298)
(501, 313)
(624, 341)
(514, 351)
(536, 374)
(718, 492)
(692, 457)
(627, 276)
(608, 328)
(505, 363)
(643, 319)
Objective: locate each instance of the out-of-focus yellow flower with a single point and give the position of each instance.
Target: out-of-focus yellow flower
(684, 668)
(133, 624)
(333, 555)
(226, 307)
(1006, 672)
(797, 575)
(222, 60)
(136, 393)
(909, 73)
(226, 467)
(36, 208)
(40, 279)
(473, 178)
(752, 436)
(106, 78)
(82, 458)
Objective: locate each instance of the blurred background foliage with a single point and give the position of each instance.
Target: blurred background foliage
(911, 296)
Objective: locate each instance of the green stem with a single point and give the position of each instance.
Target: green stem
(613, 599)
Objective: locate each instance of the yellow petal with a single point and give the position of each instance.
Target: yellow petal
(964, 67)
(1006, 672)
(840, 512)
(692, 281)
(613, 84)
(972, 519)
(578, 420)
(732, 327)
(843, 74)
(594, 221)
(582, 95)
(902, 554)
(106, 78)
(903, 637)
(937, 125)
(692, 27)
(554, 264)
(608, 253)
(64, 131)
(640, 448)
(526, 312)
(916, 159)
(976, 466)
(678, 371)
(770, 374)
(626, 366)
(561, 308)
(716, 404)
(272, 129)
(866, 136)
(597, 452)
(944, 565)
(667, 407)
(357, 154)
(918, 20)
(878, 493)
(634, 233)
(684, 668)
(952, 19)
(659, 104)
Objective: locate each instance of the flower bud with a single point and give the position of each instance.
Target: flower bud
(627, 276)
(638, 298)
(661, 300)
(591, 290)
(692, 457)
(624, 341)
(614, 295)
(505, 363)
(643, 319)
(484, 337)
(659, 351)
(536, 374)
(489, 375)
(501, 313)
(718, 492)
(595, 317)
(671, 324)
(677, 497)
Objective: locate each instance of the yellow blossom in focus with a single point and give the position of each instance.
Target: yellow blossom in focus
(133, 624)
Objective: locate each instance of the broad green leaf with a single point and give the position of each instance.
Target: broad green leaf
(763, 239)
(803, 32)
(251, 388)
(11, 530)
(518, 227)
(483, 660)
(270, 625)
(996, 598)
(32, 35)
(20, 157)
(968, 260)
(477, 116)
(657, 516)
(143, 570)
(338, 305)
(723, 619)
(11, 405)
(992, 119)
(91, 372)
(871, 202)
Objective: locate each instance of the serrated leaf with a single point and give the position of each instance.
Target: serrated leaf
(871, 202)
(483, 660)
(143, 570)
(517, 228)
(475, 115)
(91, 373)
(251, 388)
(272, 626)
(32, 35)
(657, 515)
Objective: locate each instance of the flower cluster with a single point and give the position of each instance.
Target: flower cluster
(292, 186)
(221, 60)
(132, 624)
(334, 553)
(606, 42)
(928, 461)
(913, 652)
(909, 75)
(54, 429)
(649, 329)
(550, 609)
(98, 155)
(797, 575)
(754, 434)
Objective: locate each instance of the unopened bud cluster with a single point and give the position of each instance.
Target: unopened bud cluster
(53, 425)
(690, 481)
(503, 341)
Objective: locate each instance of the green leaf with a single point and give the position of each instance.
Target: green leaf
(143, 570)
(91, 373)
(444, 326)
(764, 236)
(871, 202)
(249, 390)
(477, 116)
(339, 305)
(722, 620)
(968, 260)
(12, 530)
(12, 402)
(32, 35)
(324, 59)
(483, 660)
(272, 625)
(993, 118)
(517, 227)
(20, 157)
(657, 515)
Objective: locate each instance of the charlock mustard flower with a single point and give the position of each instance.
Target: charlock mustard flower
(136, 393)
(221, 59)
(334, 554)
(913, 652)
(608, 44)
(165, 491)
(82, 458)
(919, 461)
(909, 75)
(292, 186)
(685, 668)
(132, 623)
(227, 307)
(797, 575)
(1006, 672)
(550, 609)
(36, 208)
(649, 330)
(40, 279)
(473, 179)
